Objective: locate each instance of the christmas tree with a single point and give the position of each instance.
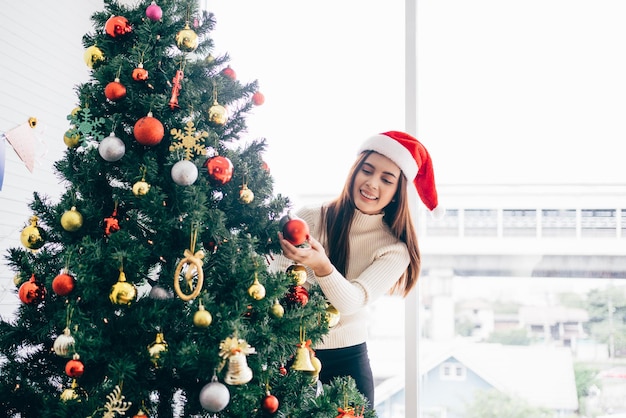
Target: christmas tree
(144, 287)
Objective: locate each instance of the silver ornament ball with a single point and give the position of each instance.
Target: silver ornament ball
(159, 293)
(111, 148)
(214, 396)
(184, 173)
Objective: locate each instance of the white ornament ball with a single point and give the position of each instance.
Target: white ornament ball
(159, 293)
(112, 148)
(184, 173)
(64, 344)
(214, 396)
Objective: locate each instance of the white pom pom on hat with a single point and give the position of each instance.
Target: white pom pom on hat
(414, 161)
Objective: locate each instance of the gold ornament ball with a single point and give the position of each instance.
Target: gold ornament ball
(157, 348)
(92, 55)
(72, 393)
(202, 318)
(256, 291)
(332, 316)
(298, 273)
(17, 280)
(141, 188)
(187, 40)
(122, 292)
(246, 195)
(277, 310)
(71, 138)
(217, 114)
(72, 220)
(33, 237)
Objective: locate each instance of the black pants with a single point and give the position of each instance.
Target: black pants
(349, 361)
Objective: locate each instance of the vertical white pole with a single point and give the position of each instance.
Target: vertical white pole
(411, 305)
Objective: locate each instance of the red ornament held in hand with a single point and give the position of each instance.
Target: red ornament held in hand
(295, 230)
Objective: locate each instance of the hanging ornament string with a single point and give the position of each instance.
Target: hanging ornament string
(192, 266)
(68, 316)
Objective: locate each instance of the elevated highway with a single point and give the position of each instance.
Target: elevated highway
(553, 230)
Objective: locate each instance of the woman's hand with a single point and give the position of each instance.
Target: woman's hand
(313, 257)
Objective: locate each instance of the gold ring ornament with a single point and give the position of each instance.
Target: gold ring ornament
(190, 269)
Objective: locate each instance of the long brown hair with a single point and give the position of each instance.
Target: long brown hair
(337, 217)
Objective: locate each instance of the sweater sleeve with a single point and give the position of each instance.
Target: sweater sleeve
(349, 296)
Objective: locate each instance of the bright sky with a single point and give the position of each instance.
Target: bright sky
(508, 91)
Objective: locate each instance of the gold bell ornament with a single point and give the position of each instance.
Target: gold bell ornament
(122, 292)
(239, 373)
(157, 348)
(235, 350)
(72, 220)
(32, 236)
(256, 290)
(302, 361)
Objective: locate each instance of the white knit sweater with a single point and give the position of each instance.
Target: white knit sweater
(376, 261)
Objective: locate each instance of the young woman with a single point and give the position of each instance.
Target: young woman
(363, 245)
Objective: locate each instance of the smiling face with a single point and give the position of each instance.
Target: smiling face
(375, 184)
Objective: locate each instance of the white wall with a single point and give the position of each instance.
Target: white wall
(332, 73)
(42, 62)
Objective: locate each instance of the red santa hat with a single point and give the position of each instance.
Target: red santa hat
(414, 161)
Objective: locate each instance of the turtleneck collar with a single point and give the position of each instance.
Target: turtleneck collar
(363, 221)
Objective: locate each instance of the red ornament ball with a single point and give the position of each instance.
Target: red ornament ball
(297, 295)
(220, 169)
(75, 368)
(270, 403)
(115, 90)
(230, 73)
(149, 130)
(63, 284)
(295, 230)
(258, 98)
(117, 26)
(32, 292)
(140, 73)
